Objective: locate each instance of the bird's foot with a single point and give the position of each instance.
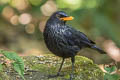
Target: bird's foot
(53, 76)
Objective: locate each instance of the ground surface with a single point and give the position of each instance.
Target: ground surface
(39, 67)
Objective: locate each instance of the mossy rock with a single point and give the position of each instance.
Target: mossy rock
(40, 67)
(85, 69)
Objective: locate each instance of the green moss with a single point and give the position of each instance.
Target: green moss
(40, 67)
(3, 76)
(85, 69)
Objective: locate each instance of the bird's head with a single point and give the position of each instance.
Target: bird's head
(61, 16)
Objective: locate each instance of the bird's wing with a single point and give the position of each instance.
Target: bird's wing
(75, 37)
(84, 37)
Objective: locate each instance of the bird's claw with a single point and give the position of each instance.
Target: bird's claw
(53, 76)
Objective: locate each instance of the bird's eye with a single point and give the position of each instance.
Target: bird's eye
(57, 15)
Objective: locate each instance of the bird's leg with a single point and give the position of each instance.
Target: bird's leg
(73, 61)
(60, 67)
(58, 73)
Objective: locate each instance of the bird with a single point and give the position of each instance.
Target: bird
(65, 41)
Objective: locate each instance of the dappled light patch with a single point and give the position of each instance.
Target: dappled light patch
(14, 20)
(112, 50)
(30, 28)
(48, 8)
(25, 18)
(8, 12)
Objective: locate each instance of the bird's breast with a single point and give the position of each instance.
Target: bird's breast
(57, 42)
(52, 37)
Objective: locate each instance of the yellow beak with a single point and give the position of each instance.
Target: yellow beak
(67, 18)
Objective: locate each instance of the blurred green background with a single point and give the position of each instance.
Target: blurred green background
(22, 23)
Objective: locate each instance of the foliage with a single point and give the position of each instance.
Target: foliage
(109, 75)
(18, 63)
(96, 18)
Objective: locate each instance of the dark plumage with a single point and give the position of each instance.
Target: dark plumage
(63, 40)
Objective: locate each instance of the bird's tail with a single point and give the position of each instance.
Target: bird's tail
(98, 49)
